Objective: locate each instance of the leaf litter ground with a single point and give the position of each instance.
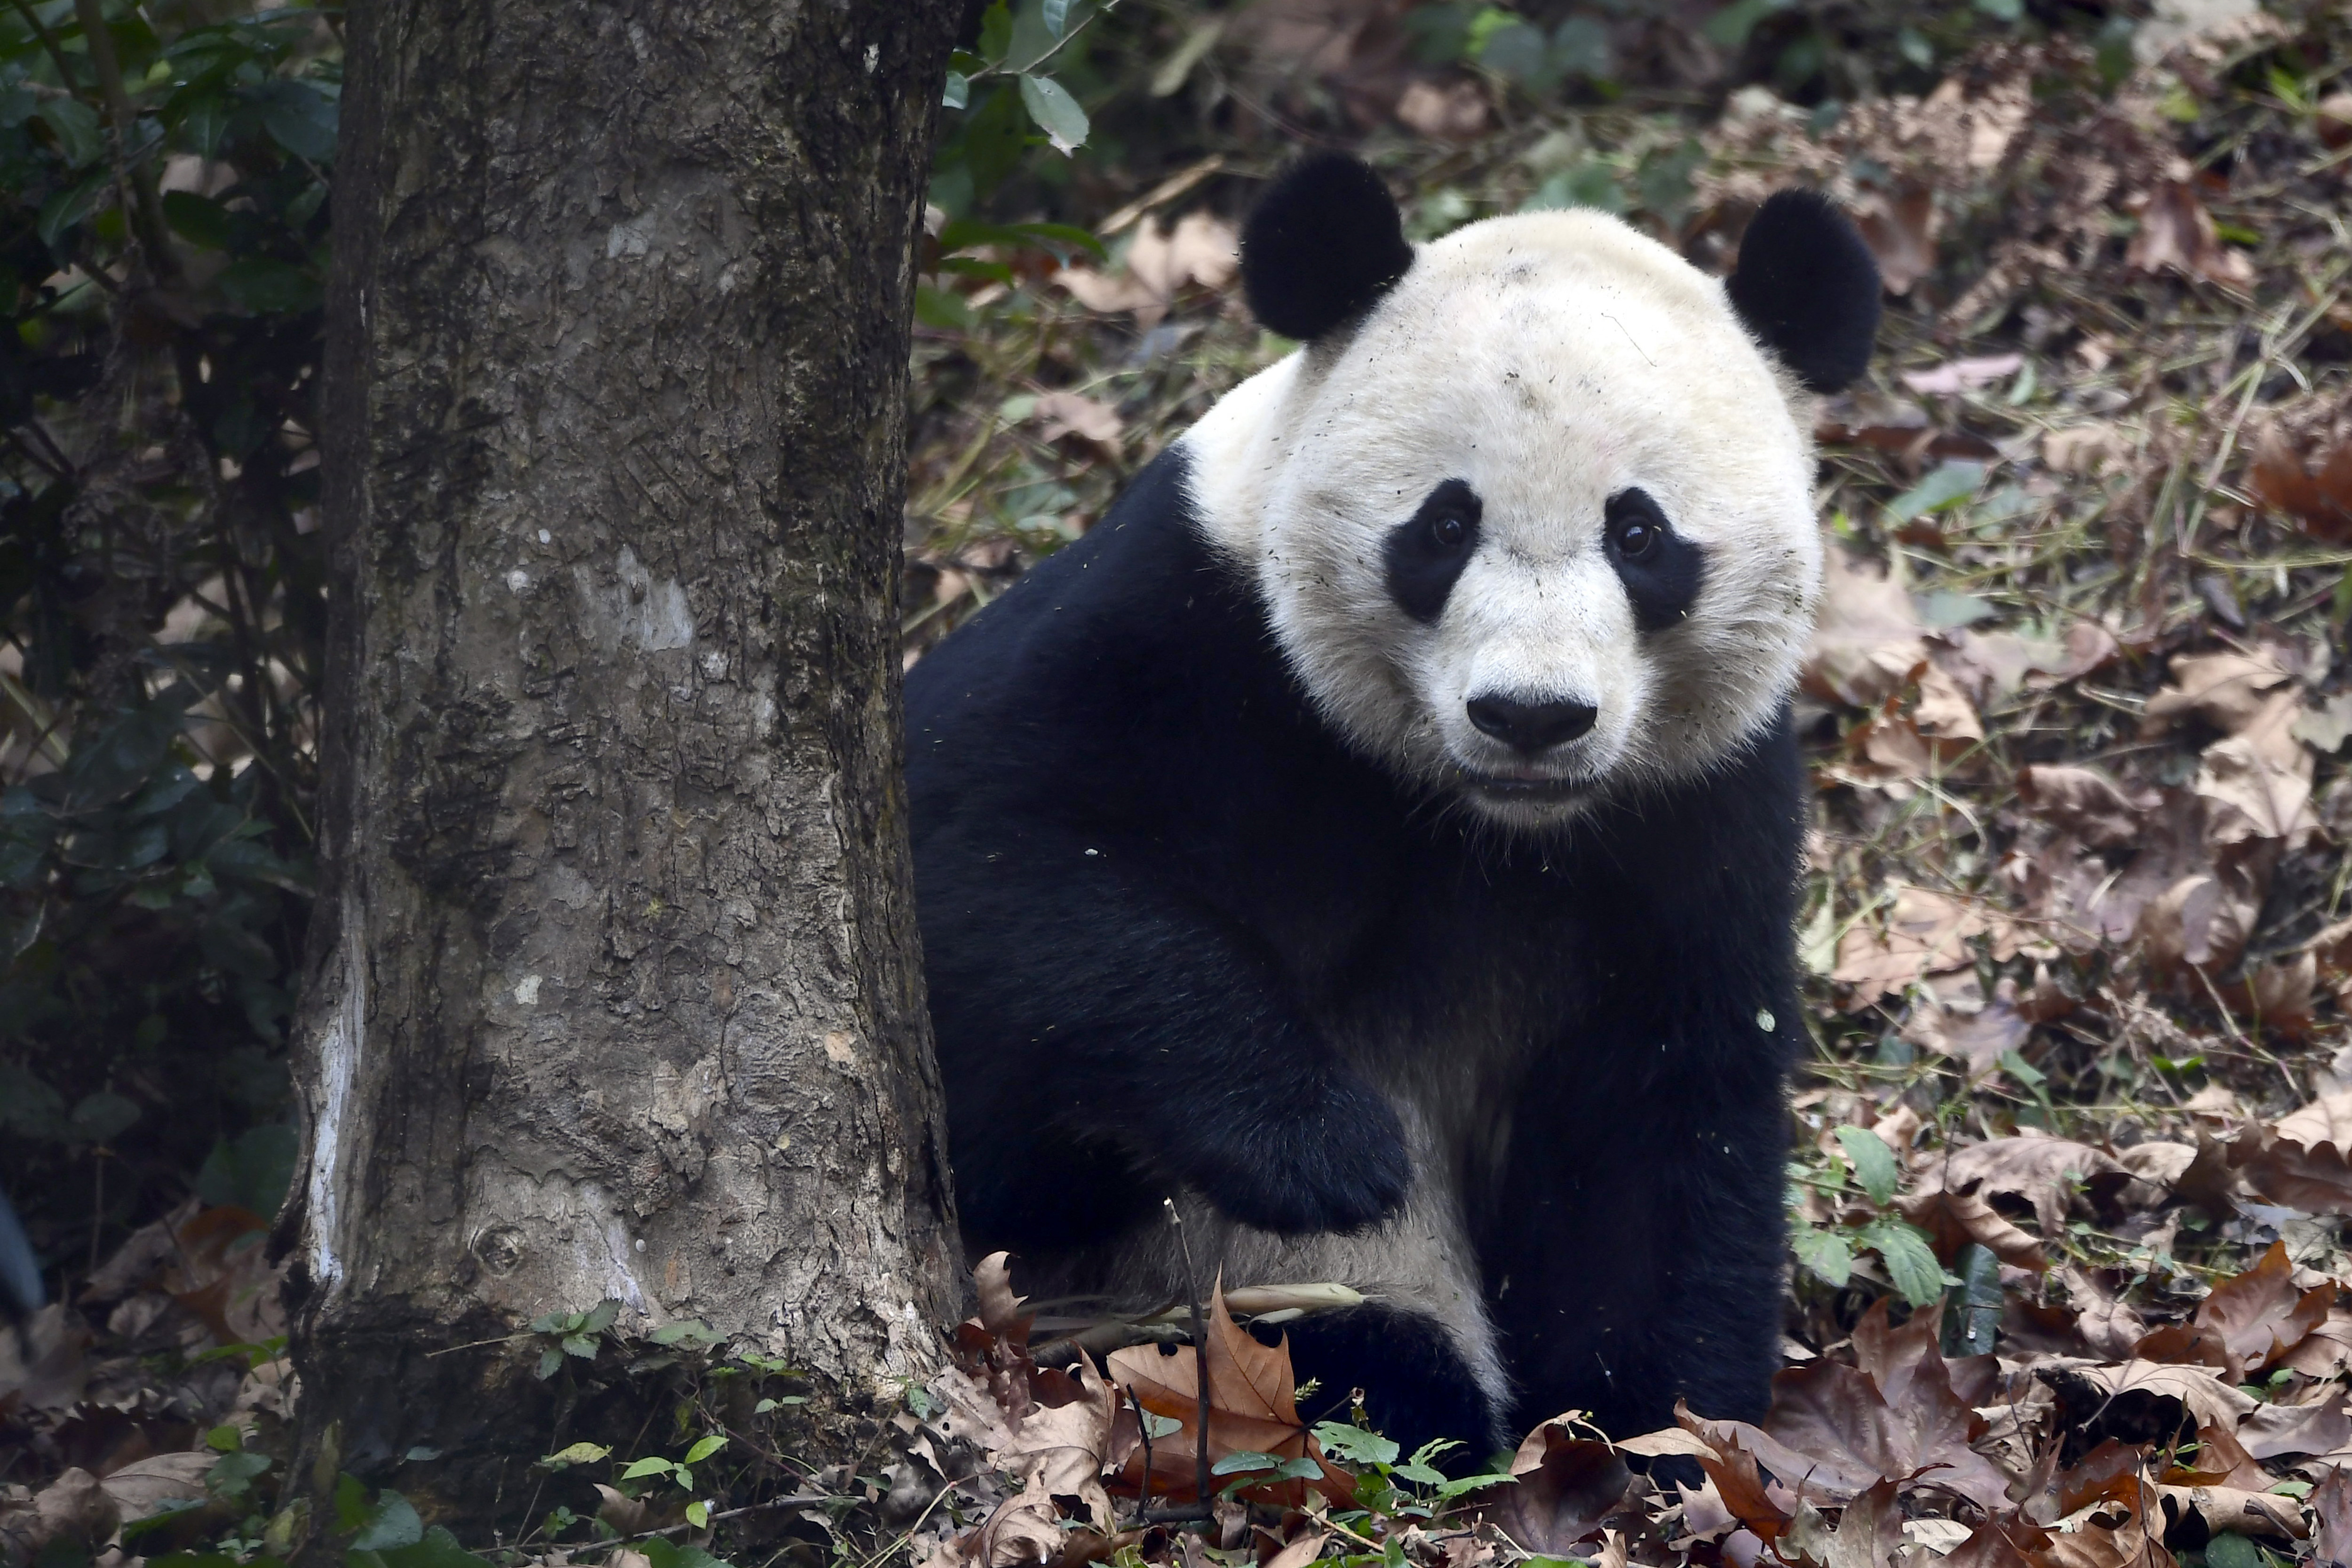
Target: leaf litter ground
(2069, 1283)
(2069, 1275)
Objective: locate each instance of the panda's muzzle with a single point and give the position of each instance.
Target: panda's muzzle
(1531, 728)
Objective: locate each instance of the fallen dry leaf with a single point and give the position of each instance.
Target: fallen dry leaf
(1567, 1486)
(1957, 375)
(1202, 249)
(1442, 111)
(1869, 1531)
(2318, 1429)
(1065, 1449)
(1869, 641)
(1024, 1528)
(2311, 485)
(1252, 1409)
(2228, 690)
(2331, 1505)
(2044, 1172)
(2085, 803)
(1073, 413)
(1954, 1220)
(2176, 231)
(1920, 933)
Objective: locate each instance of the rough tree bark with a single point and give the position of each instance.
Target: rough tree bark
(614, 988)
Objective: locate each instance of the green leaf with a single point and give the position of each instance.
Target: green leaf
(251, 1171)
(1300, 1470)
(2229, 1551)
(69, 205)
(1944, 488)
(439, 1548)
(1161, 1425)
(698, 1513)
(549, 1362)
(1053, 234)
(1056, 16)
(580, 1345)
(1351, 1445)
(1579, 47)
(391, 1523)
(996, 33)
(1731, 25)
(578, 1453)
(1826, 1254)
(1244, 1463)
(1426, 1475)
(667, 1553)
(103, 1117)
(299, 118)
(267, 287)
(942, 309)
(957, 90)
(1516, 51)
(81, 139)
(1910, 1261)
(687, 1332)
(1057, 114)
(705, 1449)
(1449, 1490)
(603, 1316)
(2010, 11)
(647, 1467)
(1873, 1162)
(197, 219)
(351, 1503)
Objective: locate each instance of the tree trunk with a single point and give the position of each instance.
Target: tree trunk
(614, 989)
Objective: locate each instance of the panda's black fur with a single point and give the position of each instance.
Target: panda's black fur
(1150, 875)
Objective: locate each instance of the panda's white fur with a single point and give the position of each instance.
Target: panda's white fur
(1551, 360)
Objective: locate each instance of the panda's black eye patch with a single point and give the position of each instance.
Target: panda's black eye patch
(1661, 569)
(1427, 552)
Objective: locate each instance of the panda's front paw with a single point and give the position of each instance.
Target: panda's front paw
(1335, 1164)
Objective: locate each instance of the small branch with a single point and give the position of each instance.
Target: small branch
(1200, 1352)
(147, 207)
(1000, 70)
(48, 43)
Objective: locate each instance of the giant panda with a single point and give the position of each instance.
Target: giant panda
(1379, 834)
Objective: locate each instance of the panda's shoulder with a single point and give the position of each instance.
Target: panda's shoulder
(1106, 653)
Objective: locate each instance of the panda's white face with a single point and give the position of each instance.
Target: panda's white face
(1540, 528)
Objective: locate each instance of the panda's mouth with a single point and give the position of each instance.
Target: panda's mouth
(1529, 790)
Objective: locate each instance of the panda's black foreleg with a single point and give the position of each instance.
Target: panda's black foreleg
(1641, 1262)
(1417, 1386)
(1098, 1026)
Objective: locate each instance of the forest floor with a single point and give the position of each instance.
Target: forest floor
(2079, 966)
(2069, 1268)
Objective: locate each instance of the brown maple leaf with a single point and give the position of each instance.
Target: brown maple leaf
(1253, 1409)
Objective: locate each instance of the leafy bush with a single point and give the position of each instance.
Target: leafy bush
(163, 183)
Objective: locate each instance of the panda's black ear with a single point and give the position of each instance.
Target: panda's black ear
(1324, 241)
(1808, 287)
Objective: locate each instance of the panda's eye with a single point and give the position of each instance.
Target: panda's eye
(1447, 531)
(1635, 528)
(1634, 536)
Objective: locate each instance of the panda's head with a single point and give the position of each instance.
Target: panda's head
(1531, 510)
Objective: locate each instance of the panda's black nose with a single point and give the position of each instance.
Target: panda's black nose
(1530, 727)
